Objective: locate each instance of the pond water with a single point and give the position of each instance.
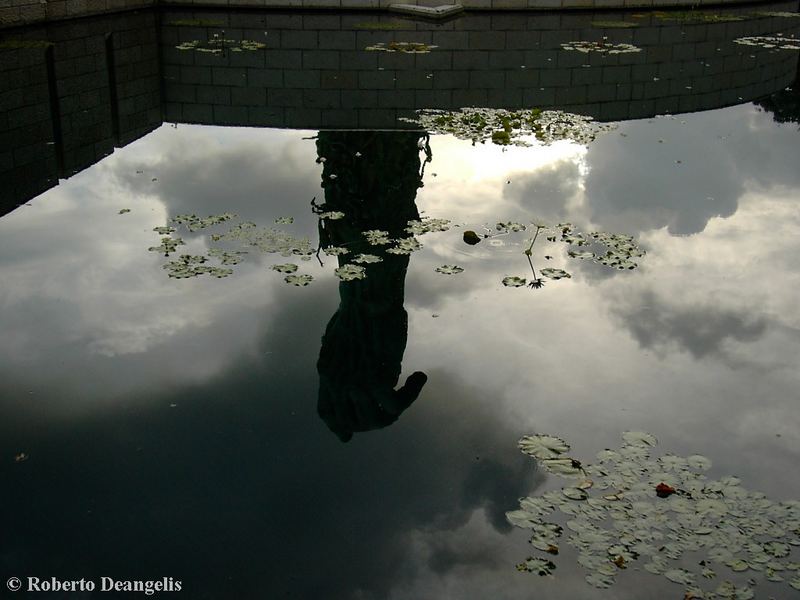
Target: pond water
(358, 438)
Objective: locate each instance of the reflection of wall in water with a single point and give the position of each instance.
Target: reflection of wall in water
(55, 126)
(20, 12)
(316, 74)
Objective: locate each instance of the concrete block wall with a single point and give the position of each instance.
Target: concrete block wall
(32, 157)
(472, 5)
(315, 72)
(24, 12)
(28, 164)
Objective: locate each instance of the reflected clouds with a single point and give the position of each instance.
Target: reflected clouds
(700, 329)
(259, 174)
(241, 476)
(680, 172)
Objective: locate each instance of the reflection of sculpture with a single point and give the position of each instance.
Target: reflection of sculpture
(376, 179)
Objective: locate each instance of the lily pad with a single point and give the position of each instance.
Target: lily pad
(555, 273)
(639, 438)
(539, 566)
(285, 268)
(543, 446)
(350, 272)
(367, 259)
(333, 215)
(513, 281)
(449, 269)
(299, 280)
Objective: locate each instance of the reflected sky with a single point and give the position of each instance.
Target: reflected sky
(172, 426)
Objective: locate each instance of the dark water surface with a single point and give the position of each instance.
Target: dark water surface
(244, 436)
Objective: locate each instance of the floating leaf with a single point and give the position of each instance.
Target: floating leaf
(513, 281)
(427, 225)
(537, 565)
(168, 245)
(333, 215)
(614, 24)
(681, 576)
(770, 41)
(522, 519)
(285, 268)
(123, 211)
(508, 127)
(555, 273)
(601, 47)
(402, 47)
(600, 580)
(574, 493)
(367, 258)
(509, 227)
(639, 438)
(350, 272)
(299, 280)
(377, 237)
(189, 265)
(284, 220)
(562, 466)
(405, 246)
(194, 223)
(225, 257)
(449, 269)
(542, 446)
(700, 463)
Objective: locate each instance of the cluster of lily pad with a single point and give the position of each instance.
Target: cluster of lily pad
(632, 508)
(777, 42)
(190, 265)
(218, 45)
(601, 47)
(194, 223)
(694, 16)
(619, 251)
(168, 245)
(508, 127)
(614, 24)
(268, 240)
(777, 13)
(404, 47)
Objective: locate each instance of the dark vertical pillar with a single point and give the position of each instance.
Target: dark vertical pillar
(112, 87)
(55, 109)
